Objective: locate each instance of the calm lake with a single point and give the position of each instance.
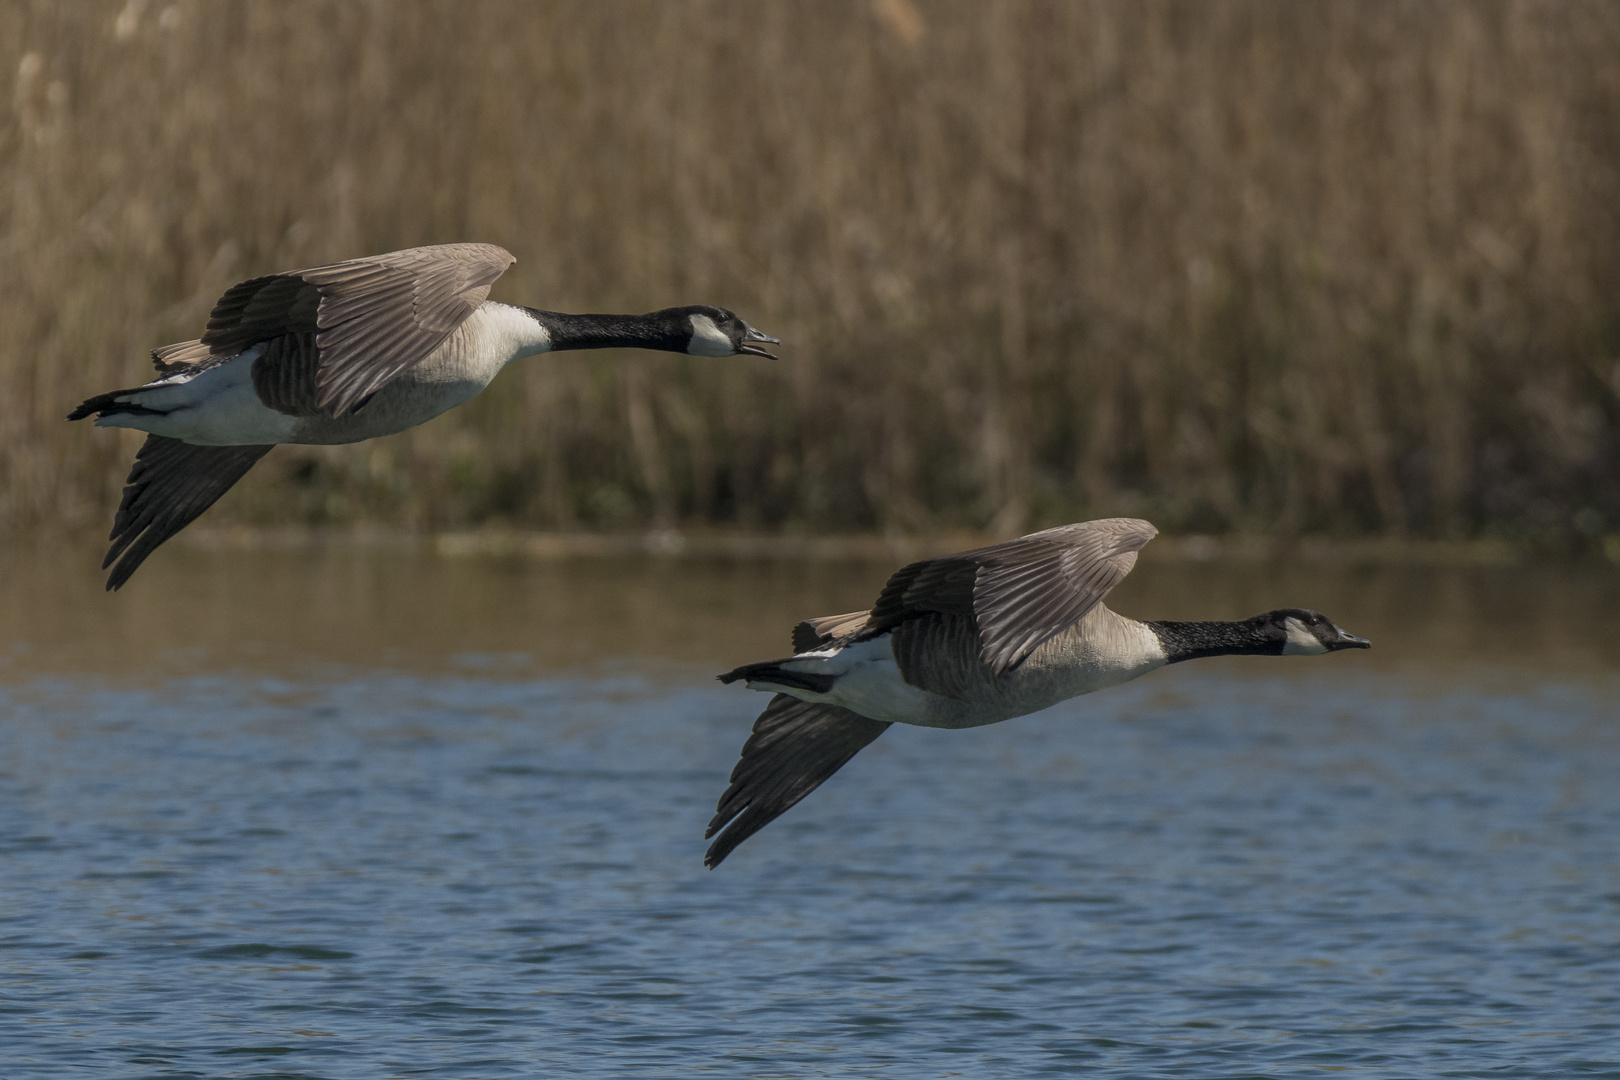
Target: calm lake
(383, 813)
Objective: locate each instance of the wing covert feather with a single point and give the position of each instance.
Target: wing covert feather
(812, 634)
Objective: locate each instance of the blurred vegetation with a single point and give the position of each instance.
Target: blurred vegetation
(1332, 267)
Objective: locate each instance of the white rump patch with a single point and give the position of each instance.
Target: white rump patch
(868, 681)
(1301, 642)
(707, 338)
(216, 406)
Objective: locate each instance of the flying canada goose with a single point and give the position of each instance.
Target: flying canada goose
(965, 640)
(339, 354)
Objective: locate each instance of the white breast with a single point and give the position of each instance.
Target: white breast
(476, 351)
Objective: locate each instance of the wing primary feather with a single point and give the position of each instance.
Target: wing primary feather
(170, 484)
(795, 746)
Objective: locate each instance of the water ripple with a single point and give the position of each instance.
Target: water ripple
(387, 876)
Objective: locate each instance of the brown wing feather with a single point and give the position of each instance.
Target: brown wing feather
(170, 484)
(169, 359)
(940, 654)
(1021, 593)
(795, 746)
(262, 308)
(372, 317)
(285, 377)
(814, 633)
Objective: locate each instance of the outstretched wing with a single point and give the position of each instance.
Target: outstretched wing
(1021, 593)
(170, 483)
(794, 747)
(370, 318)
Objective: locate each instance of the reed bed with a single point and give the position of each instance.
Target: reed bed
(1338, 267)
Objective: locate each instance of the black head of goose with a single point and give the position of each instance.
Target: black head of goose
(342, 353)
(965, 640)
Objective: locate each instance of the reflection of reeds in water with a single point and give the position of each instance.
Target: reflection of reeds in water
(1237, 265)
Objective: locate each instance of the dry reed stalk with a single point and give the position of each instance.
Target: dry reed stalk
(1237, 265)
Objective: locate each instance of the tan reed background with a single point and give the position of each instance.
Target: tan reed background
(1331, 267)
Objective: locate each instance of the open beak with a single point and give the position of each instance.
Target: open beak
(1348, 641)
(750, 334)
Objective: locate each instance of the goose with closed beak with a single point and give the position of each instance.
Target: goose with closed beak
(343, 353)
(965, 640)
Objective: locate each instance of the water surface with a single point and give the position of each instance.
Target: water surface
(380, 814)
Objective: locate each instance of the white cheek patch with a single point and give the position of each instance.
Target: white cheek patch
(707, 338)
(1301, 642)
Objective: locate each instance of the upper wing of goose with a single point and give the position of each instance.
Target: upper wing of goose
(371, 318)
(1020, 593)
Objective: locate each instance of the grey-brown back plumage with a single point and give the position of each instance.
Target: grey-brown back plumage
(368, 320)
(1017, 595)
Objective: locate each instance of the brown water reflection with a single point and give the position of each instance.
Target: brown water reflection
(291, 611)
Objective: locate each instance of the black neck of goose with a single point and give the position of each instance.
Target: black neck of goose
(1195, 640)
(611, 331)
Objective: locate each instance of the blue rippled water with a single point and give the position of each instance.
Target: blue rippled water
(1233, 871)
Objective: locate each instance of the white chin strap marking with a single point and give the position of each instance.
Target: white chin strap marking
(1301, 642)
(707, 340)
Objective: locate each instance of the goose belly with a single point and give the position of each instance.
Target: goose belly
(1023, 691)
(411, 399)
(1103, 650)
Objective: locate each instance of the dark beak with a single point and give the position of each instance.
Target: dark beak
(1348, 640)
(750, 334)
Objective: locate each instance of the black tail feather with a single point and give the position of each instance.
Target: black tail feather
(109, 405)
(772, 671)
